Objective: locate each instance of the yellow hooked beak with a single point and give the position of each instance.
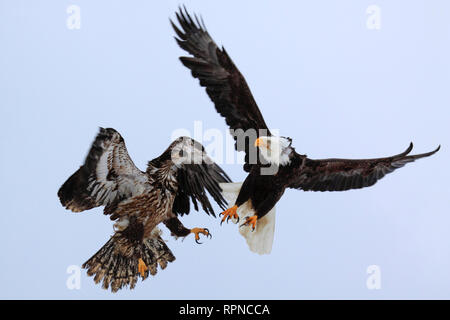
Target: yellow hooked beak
(258, 142)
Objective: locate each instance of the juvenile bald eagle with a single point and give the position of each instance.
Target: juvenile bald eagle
(138, 201)
(280, 166)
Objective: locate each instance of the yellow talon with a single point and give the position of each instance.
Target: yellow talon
(251, 221)
(230, 213)
(197, 231)
(142, 267)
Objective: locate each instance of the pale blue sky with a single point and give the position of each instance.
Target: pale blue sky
(318, 74)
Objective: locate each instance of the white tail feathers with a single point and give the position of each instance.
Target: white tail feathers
(260, 240)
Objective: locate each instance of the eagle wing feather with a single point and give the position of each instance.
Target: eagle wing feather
(107, 176)
(196, 175)
(224, 83)
(345, 174)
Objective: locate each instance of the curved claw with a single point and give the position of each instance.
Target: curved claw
(208, 233)
(229, 214)
(250, 221)
(197, 232)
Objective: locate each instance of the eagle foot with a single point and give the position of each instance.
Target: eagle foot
(230, 213)
(142, 267)
(197, 232)
(251, 221)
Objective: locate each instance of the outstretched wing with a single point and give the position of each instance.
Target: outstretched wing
(107, 176)
(194, 180)
(345, 174)
(224, 84)
(195, 175)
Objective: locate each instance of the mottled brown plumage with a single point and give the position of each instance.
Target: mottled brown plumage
(138, 201)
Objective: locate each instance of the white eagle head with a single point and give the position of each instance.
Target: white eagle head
(275, 150)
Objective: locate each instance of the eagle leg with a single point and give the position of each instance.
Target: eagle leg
(142, 267)
(229, 214)
(251, 221)
(197, 232)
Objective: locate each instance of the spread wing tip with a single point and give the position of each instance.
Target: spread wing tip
(186, 22)
(426, 154)
(407, 151)
(179, 33)
(405, 154)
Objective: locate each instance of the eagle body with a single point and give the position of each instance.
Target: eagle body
(233, 100)
(139, 201)
(262, 190)
(148, 210)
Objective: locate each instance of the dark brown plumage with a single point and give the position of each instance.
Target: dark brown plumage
(345, 174)
(224, 84)
(138, 201)
(232, 98)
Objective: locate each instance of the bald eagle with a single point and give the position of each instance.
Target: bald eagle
(263, 187)
(138, 201)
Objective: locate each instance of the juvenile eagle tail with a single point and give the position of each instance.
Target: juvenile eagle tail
(116, 263)
(261, 239)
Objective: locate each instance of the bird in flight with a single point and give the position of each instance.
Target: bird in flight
(277, 165)
(138, 201)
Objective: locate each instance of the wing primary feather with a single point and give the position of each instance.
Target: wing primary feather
(224, 83)
(195, 181)
(345, 174)
(107, 175)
